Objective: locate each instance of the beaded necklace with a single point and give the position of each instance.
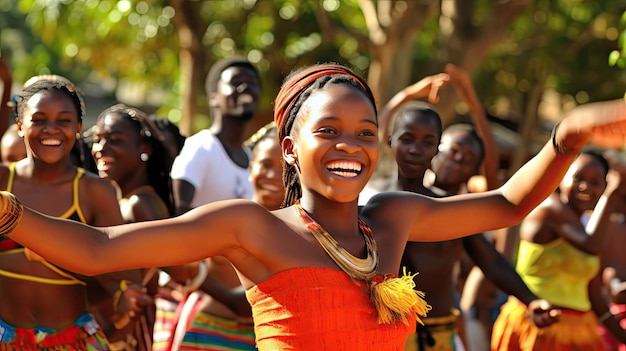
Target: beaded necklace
(357, 268)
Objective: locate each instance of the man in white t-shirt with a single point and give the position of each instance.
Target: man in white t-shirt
(213, 165)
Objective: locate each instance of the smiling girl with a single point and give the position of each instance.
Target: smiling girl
(319, 274)
(41, 306)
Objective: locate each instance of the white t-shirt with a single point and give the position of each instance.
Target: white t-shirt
(204, 163)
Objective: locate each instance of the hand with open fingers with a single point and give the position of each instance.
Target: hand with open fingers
(602, 124)
(429, 86)
(542, 313)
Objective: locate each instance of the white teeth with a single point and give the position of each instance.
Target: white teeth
(344, 166)
(345, 174)
(51, 142)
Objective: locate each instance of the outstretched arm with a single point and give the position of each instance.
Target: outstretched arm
(603, 124)
(427, 87)
(462, 83)
(207, 231)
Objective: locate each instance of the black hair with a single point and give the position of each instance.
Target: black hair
(417, 107)
(49, 83)
(167, 126)
(291, 180)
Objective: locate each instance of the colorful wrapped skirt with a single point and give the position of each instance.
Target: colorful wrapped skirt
(514, 330)
(84, 335)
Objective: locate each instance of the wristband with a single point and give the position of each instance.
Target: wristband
(558, 148)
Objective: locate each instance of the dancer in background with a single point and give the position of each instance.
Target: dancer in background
(43, 307)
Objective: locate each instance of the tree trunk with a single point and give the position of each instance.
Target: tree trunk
(527, 128)
(467, 45)
(190, 28)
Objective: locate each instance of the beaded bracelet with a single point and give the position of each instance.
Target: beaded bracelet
(11, 213)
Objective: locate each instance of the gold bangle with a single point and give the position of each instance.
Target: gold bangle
(11, 213)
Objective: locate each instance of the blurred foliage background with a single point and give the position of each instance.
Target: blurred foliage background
(530, 59)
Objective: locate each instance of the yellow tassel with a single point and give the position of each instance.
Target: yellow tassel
(395, 298)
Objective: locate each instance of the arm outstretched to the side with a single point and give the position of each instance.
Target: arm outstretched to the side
(602, 124)
(207, 231)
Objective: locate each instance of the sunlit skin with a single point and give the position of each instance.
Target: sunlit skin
(267, 243)
(117, 147)
(456, 162)
(580, 190)
(266, 173)
(340, 137)
(50, 126)
(237, 92)
(43, 180)
(276, 245)
(414, 142)
(583, 184)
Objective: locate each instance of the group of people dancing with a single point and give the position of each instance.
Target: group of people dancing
(271, 243)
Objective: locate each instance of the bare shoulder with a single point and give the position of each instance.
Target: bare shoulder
(93, 185)
(244, 212)
(394, 205)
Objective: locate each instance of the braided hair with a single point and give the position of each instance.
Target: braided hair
(296, 89)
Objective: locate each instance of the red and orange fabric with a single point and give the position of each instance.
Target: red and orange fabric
(320, 309)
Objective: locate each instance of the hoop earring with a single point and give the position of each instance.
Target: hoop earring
(144, 157)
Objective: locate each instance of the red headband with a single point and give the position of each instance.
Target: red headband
(295, 85)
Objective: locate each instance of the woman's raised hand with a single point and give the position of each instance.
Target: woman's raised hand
(602, 124)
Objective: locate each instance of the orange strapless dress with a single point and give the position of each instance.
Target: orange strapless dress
(320, 309)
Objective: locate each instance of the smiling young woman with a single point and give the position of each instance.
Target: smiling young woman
(301, 297)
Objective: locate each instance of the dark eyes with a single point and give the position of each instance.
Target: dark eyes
(326, 130)
(40, 121)
(410, 140)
